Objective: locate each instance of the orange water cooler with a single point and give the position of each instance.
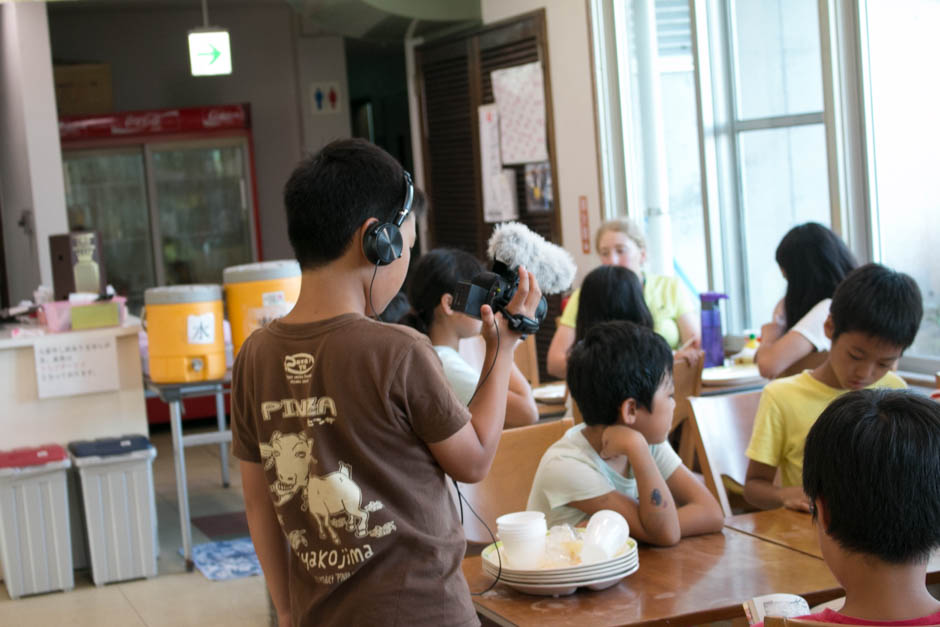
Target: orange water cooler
(256, 293)
(184, 333)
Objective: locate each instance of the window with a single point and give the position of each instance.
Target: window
(904, 130)
(775, 113)
(773, 122)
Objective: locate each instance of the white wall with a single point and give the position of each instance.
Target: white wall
(322, 59)
(30, 159)
(148, 53)
(569, 54)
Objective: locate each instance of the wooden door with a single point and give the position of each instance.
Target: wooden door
(453, 76)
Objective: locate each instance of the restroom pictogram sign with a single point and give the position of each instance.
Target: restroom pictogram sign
(325, 98)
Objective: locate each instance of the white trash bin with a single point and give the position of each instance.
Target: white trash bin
(35, 544)
(119, 506)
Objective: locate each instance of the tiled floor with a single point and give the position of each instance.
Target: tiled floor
(174, 597)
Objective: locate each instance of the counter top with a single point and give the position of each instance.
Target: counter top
(130, 327)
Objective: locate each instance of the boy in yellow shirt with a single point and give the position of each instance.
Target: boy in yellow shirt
(874, 317)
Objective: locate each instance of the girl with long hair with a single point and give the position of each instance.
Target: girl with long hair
(813, 260)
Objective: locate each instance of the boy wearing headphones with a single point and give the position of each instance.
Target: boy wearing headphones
(346, 426)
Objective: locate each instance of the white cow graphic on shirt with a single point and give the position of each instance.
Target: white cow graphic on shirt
(336, 494)
(290, 454)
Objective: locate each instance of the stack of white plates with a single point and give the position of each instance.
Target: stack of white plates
(562, 581)
(552, 393)
(738, 374)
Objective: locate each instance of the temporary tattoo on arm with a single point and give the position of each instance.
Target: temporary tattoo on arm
(656, 498)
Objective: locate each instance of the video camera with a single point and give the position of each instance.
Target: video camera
(496, 289)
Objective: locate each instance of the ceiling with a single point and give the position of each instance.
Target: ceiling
(371, 20)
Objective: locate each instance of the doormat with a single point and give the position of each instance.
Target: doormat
(226, 559)
(223, 526)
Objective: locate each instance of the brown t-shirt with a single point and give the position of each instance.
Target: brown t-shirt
(339, 412)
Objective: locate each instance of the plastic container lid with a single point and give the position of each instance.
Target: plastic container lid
(32, 456)
(261, 271)
(176, 294)
(108, 447)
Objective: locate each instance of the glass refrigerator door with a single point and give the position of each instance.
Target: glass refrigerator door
(106, 190)
(203, 213)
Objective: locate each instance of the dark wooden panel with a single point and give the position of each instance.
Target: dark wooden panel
(448, 138)
(454, 80)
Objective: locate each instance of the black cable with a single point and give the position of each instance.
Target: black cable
(371, 283)
(461, 499)
(499, 557)
(492, 365)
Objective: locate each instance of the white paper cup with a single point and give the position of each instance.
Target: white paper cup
(605, 534)
(520, 520)
(523, 538)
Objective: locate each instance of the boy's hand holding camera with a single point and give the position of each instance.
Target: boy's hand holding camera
(524, 302)
(466, 456)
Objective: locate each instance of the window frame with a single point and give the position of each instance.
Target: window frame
(846, 117)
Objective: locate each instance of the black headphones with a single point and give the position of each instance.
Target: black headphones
(382, 242)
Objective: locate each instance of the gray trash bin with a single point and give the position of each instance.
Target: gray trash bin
(35, 544)
(116, 476)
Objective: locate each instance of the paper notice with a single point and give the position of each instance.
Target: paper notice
(200, 328)
(520, 95)
(499, 184)
(75, 363)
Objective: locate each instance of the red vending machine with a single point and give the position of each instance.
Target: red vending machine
(172, 194)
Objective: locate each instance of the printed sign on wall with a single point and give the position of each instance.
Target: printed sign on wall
(499, 184)
(325, 98)
(520, 95)
(70, 364)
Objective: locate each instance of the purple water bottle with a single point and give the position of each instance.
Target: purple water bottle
(711, 329)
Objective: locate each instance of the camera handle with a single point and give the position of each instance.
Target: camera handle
(517, 322)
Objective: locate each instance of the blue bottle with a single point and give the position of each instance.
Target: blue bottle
(711, 329)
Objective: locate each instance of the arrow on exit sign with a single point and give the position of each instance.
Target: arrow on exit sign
(210, 53)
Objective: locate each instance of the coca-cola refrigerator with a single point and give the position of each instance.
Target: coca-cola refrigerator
(170, 191)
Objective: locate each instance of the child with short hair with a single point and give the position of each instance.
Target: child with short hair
(873, 318)
(620, 375)
(431, 289)
(871, 470)
(345, 426)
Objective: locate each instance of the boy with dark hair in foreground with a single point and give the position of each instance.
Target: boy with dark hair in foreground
(872, 473)
(346, 426)
(873, 318)
(620, 375)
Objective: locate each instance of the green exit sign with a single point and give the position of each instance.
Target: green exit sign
(209, 52)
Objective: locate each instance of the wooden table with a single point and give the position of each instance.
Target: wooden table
(701, 579)
(796, 530)
(785, 527)
(733, 388)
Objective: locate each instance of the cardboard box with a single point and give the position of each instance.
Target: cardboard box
(81, 89)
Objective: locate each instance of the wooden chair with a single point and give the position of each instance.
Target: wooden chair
(506, 488)
(473, 350)
(576, 413)
(687, 379)
(527, 359)
(811, 361)
(721, 426)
